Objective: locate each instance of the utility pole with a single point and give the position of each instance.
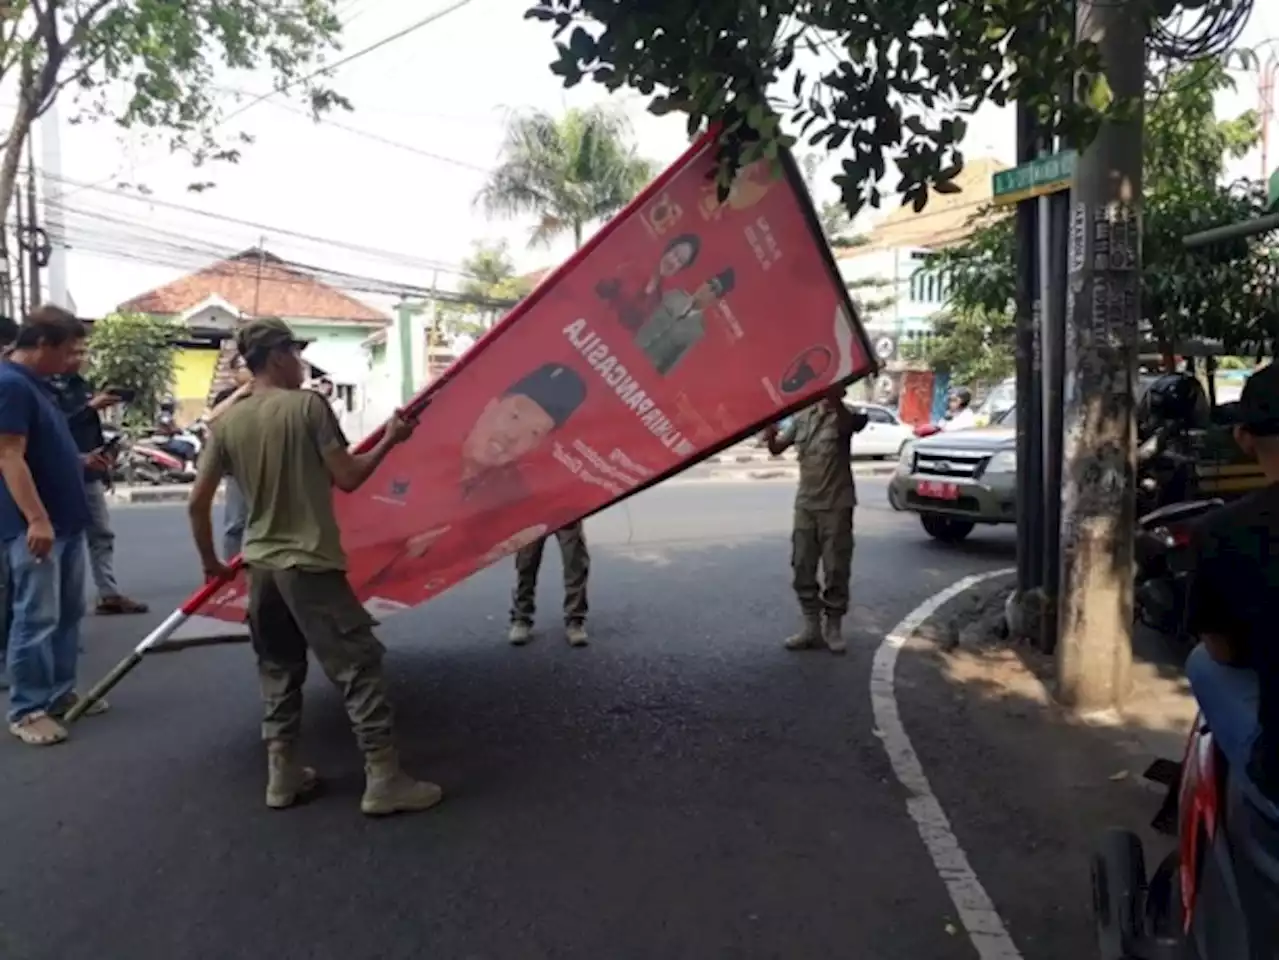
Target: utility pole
(1055, 235)
(1027, 494)
(1095, 612)
(33, 230)
(51, 187)
(257, 286)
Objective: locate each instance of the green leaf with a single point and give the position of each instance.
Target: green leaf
(581, 44)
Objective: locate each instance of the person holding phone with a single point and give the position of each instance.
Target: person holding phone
(83, 407)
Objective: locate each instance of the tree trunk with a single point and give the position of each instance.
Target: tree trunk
(13, 155)
(1094, 652)
(577, 234)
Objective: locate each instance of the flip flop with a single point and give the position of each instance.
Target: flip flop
(38, 730)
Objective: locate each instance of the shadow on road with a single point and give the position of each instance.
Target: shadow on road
(1029, 788)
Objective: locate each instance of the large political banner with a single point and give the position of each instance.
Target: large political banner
(684, 325)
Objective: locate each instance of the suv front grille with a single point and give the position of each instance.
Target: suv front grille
(952, 464)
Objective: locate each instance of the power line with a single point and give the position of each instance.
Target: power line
(262, 227)
(328, 68)
(145, 230)
(376, 137)
(174, 256)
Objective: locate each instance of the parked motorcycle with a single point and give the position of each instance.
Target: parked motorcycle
(143, 462)
(1163, 564)
(1211, 898)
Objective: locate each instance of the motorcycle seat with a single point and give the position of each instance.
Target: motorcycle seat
(1173, 512)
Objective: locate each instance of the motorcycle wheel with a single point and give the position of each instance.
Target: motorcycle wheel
(1119, 894)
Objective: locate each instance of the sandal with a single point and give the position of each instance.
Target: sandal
(63, 707)
(38, 729)
(108, 606)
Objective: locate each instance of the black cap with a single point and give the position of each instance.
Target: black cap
(554, 387)
(1256, 411)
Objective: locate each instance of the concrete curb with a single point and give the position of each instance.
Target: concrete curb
(166, 493)
(790, 471)
(736, 455)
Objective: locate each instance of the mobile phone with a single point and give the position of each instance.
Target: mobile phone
(125, 394)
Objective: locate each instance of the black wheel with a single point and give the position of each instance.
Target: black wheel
(945, 529)
(1119, 894)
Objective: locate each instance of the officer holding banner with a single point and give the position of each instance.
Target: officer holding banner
(284, 448)
(823, 534)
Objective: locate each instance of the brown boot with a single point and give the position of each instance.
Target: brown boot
(388, 789)
(810, 634)
(288, 782)
(832, 635)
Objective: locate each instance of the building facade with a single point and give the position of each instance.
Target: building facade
(210, 303)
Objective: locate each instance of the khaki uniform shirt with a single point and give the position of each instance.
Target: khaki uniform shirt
(822, 438)
(272, 443)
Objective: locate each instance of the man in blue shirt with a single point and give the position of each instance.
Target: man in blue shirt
(44, 514)
(8, 331)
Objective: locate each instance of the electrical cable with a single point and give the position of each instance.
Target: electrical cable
(329, 68)
(247, 269)
(119, 220)
(261, 227)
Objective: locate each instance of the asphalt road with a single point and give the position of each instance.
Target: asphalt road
(683, 788)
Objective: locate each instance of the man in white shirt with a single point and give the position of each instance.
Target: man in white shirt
(961, 415)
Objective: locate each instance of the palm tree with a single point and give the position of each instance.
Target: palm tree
(568, 172)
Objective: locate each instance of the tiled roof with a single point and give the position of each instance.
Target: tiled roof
(256, 283)
(948, 218)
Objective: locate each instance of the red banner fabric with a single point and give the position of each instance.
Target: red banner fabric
(685, 324)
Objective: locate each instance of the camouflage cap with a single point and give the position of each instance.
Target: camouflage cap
(263, 334)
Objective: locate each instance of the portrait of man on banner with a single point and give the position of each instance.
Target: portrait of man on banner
(508, 429)
(512, 426)
(634, 306)
(678, 323)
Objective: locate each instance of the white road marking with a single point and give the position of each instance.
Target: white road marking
(973, 906)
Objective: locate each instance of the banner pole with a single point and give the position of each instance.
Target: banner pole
(125, 666)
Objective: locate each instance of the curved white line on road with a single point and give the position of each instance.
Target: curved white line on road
(974, 908)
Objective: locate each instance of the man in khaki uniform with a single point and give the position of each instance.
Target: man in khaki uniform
(823, 531)
(577, 564)
(284, 448)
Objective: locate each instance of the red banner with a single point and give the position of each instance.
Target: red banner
(681, 327)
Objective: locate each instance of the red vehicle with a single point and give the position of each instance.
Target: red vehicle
(1214, 896)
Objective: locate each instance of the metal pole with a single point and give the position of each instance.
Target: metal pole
(54, 221)
(1054, 337)
(257, 286)
(19, 223)
(1027, 503)
(1094, 653)
(33, 221)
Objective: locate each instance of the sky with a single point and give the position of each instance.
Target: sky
(399, 174)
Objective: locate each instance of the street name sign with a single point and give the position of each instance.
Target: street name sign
(1051, 174)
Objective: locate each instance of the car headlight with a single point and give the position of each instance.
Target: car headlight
(1006, 461)
(907, 458)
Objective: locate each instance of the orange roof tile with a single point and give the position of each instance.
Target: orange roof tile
(256, 282)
